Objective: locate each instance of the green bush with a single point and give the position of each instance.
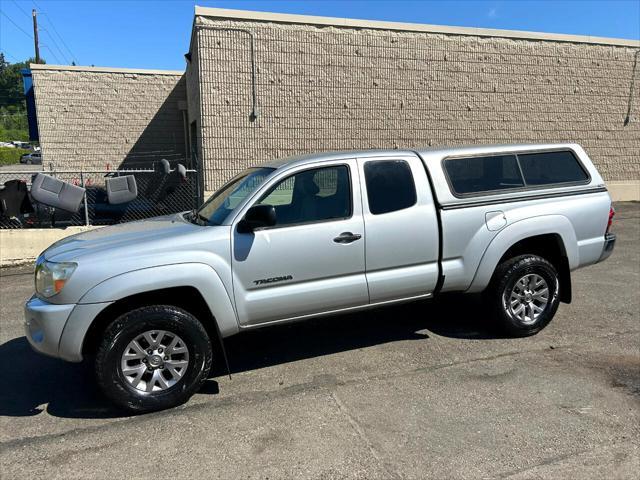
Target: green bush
(9, 135)
(11, 156)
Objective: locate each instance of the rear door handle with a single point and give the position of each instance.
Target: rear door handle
(347, 237)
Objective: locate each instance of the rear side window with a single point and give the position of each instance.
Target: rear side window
(483, 174)
(551, 167)
(390, 186)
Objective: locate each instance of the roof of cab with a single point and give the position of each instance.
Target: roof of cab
(328, 156)
(427, 154)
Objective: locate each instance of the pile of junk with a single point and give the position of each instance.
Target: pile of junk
(51, 202)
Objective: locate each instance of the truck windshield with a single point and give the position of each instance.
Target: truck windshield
(221, 203)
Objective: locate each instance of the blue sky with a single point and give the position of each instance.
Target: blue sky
(155, 34)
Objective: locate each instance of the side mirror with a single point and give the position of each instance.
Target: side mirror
(257, 216)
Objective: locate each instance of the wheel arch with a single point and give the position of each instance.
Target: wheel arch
(195, 287)
(187, 298)
(551, 247)
(550, 236)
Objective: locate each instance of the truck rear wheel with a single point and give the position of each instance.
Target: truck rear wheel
(153, 358)
(524, 295)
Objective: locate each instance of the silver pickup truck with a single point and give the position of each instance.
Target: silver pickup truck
(315, 235)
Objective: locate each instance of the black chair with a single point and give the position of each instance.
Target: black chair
(14, 199)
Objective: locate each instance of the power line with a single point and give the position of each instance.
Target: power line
(16, 25)
(56, 45)
(51, 52)
(53, 40)
(12, 56)
(50, 22)
(21, 9)
(55, 30)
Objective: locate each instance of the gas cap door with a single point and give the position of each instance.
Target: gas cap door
(495, 220)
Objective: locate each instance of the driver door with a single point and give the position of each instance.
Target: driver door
(312, 260)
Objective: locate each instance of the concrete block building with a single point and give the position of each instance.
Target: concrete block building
(263, 85)
(106, 118)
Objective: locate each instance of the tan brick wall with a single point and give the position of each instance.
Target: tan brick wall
(97, 119)
(329, 88)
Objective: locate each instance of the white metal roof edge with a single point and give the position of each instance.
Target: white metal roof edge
(80, 68)
(428, 153)
(229, 14)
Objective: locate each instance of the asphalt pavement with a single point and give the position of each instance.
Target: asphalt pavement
(20, 167)
(425, 390)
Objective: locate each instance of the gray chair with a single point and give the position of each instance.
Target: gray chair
(121, 189)
(56, 193)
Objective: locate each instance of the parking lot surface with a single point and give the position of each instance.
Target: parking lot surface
(417, 391)
(20, 167)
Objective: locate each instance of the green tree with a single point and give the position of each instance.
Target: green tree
(13, 109)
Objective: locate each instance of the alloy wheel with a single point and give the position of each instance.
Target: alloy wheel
(154, 361)
(528, 298)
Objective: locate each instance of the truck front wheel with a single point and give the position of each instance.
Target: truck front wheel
(153, 358)
(524, 295)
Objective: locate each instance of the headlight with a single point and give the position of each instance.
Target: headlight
(51, 276)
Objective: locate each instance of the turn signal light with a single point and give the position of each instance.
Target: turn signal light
(58, 285)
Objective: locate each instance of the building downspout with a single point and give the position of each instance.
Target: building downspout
(187, 135)
(252, 53)
(182, 106)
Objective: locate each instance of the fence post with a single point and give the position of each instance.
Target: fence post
(86, 206)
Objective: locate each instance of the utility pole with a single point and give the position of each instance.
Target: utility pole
(35, 35)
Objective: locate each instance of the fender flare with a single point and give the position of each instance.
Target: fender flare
(200, 276)
(515, 232)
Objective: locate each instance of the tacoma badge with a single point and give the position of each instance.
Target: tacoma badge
(273, 279)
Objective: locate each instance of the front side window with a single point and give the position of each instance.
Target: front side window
(390, 186)
(547, 168)
(483, 174)
(315, 195)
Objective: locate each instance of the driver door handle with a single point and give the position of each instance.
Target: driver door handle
(347, 237)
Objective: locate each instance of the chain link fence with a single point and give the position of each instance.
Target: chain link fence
(159, 193)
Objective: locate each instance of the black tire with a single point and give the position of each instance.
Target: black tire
(130, 326)
(498, 295)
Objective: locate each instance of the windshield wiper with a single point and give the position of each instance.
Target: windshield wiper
(196, 217)
(204, 219)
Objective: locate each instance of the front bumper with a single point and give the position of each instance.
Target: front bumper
(44, 323)
(609, 244)
(59, 330)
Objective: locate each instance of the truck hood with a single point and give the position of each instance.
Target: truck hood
(133, 238)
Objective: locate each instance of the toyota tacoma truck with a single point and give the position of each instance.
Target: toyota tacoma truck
(152, 301)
